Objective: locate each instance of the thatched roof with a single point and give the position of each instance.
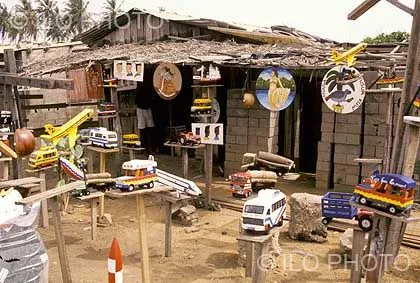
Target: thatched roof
(193, 52)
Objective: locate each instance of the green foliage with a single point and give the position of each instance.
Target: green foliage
(201, 202)
(396, 36)
(265, 84)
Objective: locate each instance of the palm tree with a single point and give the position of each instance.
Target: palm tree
(52, 20)
(77, 16)
(46, 9)
(112, 9)
(26, 20)
(5, 15)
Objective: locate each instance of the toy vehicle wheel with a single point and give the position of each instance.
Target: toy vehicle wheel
(248, 194)
(326, 220)
(87, 192)
(234, 195)
(392, 209)
(182, 140)
(151, 185)
(280, 222)
(363, 200)
(365, 223)
(80, 194)
(131, 188)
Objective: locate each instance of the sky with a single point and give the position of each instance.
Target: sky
(324, 18)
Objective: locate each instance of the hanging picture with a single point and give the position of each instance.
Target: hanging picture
(275, 88)
(128, 70)
(343, 89)
(167, 80)
(209, 133)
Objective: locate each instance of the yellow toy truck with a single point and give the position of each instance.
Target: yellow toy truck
(45, 156)
(131, 140)
(201, 106)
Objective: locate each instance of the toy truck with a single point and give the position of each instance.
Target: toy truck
(131, 140)
(188, 138)
(107, 109)
(265, 211)
(337, 205)
(265, 160)
(201, 106)
(138, 173)
(392, 193)
(242, 184)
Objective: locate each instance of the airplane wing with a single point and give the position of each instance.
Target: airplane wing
(72, 132)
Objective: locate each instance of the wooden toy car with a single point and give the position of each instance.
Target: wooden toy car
(131, 140)
(45, 156)
(337, 205)
(138, 173)
(392, 193)
(188, 138)
(265, 211)
(103, 137)
(107, 109)
(242, 184)
(201, 106)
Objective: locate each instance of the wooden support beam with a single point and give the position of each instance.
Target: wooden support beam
(144, 248)
(361, 9)
(402, 6)
(51, 193)
(45, 106)
(13, 79)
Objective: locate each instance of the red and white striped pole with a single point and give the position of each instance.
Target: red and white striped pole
(115, 269)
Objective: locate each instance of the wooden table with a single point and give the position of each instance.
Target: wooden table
(141, 215)
(184, 153)
(102, 167)
(5, 162)
(132, 151)
(43, 188)
(94, 198)
(257, 246)
(53, 194)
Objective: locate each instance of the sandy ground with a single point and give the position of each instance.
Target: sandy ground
(209, 255)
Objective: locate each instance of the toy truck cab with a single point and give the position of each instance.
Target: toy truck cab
(201, 106)
(240, 184)
(337, 205)
(138, 173)
(392, 193)
(265, 211)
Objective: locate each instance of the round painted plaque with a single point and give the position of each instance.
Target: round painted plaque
(275, 88)
(167, 80)
(343, 89)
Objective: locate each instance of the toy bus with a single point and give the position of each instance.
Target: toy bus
(265, 211)
(45, 156)
(137, 173)
(240, 184)
(103, 137)
(337, 205)
(392, 193)
(107, 109)
(201, 106)
(131, 140)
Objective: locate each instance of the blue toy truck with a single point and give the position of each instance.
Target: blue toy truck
(337, 205)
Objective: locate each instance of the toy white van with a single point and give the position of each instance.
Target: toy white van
(103, 137)
(265, 211)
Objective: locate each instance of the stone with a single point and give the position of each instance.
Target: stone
(87, 228)
(192, 229)
(106, 219)
(346, 242)
(188, 209)
(132, 220)
(305, 218)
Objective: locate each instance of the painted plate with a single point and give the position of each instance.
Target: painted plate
(275, 88)
(343, 89)
(167, 81)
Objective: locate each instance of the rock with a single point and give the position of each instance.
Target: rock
(80, 220)
(102, 225)
(132, 219)
(346, 242)
(87, 228)
(305, 218)
(106, 219)
(78, 205)
(224, 233)
(187, 210)
(192, 229)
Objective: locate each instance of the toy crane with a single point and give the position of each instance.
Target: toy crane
(348, 56)
(68, 129)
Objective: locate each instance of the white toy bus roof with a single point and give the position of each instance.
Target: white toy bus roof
(101, 130)
(266, 196)
(138, 164)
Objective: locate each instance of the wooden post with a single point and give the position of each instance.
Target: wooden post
(357, 255)
(102, 162)
(411, 150)
(90, 160)
(411, 79)
(184, 152)
(131, 154)
(168, 230)
(44, 204)
(93, 215)
(114, 99)
(144, 252)
(208, 160)
(61, 245)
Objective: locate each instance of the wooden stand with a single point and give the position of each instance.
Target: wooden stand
(94, 199)
(184, 153)
(5, 163)
(132, 151)
(256, 246)
(141, 215)
(43, 187)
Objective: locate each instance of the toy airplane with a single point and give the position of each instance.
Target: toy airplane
(68, 129)
(349, 56)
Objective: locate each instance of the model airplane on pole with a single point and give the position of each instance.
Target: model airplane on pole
(348, 57)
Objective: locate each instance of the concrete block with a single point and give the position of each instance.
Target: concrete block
(232, 121)
(349, 149)
(253, 123)
(230, 156)
(323, 175)
(236, 148)
(352, 180)
(340, 138)
(327, 127)
(241, 140)
(340, 158)
(374, 140)
(230, 139)
(262, 141)
(343, 188)
(264, 123)
(368, 151)
(327, 137)
(322, 185)
(238, 131)
(323, 166)
(328, 117)
(375, 119)
(238, 112)
(324, 146)
(372, 108)
(353, 139)
(346, 169)
(324, 156)
(242, 122)
(252, 140)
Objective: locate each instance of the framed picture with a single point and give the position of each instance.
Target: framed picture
(128, 70)
(210, 133)
(119, 69)
(167, 81)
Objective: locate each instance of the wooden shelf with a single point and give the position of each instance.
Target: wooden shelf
(107, 117)
(184, 146)
(102, 150)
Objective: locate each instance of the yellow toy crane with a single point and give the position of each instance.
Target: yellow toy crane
(348, 56)
(68, 129)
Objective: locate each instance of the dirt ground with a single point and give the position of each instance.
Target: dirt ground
(209, 255)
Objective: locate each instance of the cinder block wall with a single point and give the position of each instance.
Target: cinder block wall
(248, 130)
(363, 133)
